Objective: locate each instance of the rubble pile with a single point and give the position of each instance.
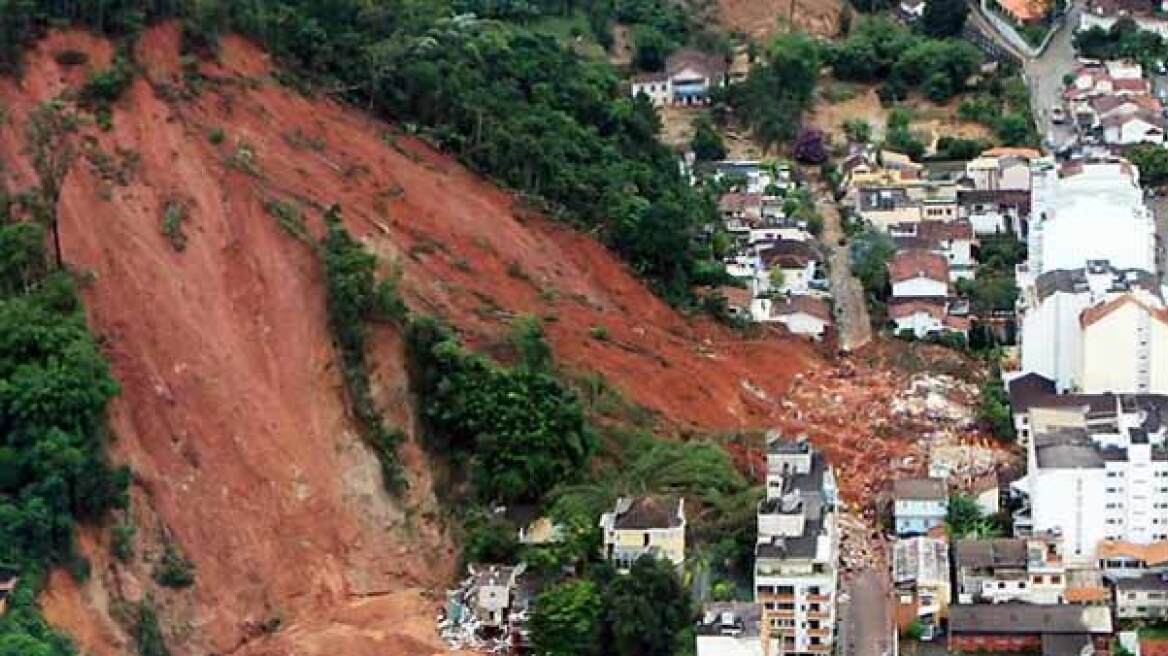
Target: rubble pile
(462, 629)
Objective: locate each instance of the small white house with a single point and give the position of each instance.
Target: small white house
(1131, 129)
(919, 274)
(802, 314)
(919, 317)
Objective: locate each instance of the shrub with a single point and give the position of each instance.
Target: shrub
(69, 58)
(174, 570)
(122, 542)
(215, 136)
(599, 333)
(174, 214)
(147, 635)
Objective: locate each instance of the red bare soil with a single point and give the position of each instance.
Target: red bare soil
(760, 19)
(232, 413)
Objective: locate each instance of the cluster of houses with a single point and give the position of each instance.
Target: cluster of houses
(935, 215)
(777, 261)
(1111, 105)
(1148, 15)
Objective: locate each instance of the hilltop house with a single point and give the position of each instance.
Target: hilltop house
(640, 526)
(953, 240)
(687, 80)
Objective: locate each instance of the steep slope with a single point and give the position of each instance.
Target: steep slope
(232, 413)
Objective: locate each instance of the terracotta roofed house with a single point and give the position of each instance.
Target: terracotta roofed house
(918, 273)
(802, 314)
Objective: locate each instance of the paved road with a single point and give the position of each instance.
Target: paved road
(1044, 75)
(851, 312)
(866, 618)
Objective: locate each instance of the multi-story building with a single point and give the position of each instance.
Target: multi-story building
(1010, 569)
(920, 576)
(1141, 598)
(1102, 476)
(919, 504)
(640, 526)
(1062, 630)
(795, 572)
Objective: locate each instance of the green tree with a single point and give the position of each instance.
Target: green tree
(965, 519)
(566, 619)
(1013, 129)
(646, 610)
(1152, 162)
(707, 144)
(944, 18)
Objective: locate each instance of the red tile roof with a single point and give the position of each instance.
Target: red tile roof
(910, 264)
(802, 303)
(1095, 314)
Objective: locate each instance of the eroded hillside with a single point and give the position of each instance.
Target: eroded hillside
(231, 413)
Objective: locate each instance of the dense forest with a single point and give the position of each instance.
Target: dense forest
(512, 103)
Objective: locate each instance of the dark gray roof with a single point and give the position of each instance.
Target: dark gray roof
(1113, 454)
(1020, 618)
(1028, 389)
(779, 445)
(1069, 644)
(920, 489)
(802, 546)
(647, 512)
(1067, 448)
(1152, 582)
(1068, 281)
(990, 554)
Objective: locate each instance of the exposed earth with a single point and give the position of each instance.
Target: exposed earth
(760, 19)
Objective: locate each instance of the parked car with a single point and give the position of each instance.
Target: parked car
(1058, 115)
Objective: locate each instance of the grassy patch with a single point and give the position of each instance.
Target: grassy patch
(174, 214)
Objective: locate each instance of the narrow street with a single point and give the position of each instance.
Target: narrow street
(1044, 76)
(866, 620)
(851, 312)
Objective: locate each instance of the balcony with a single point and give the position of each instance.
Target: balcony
(822, 633)
(783, 613)
(819, 615)
(819, 649)
(819, 598)
(781, 598)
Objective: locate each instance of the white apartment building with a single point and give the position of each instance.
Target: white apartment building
(1089, 211)
(1096, 329)
(796, 555)
(1105, 478)
(1001, 570)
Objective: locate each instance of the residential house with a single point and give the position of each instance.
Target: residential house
(1120, 78)
(911, 11)
(740, 211)
(992, 212)
(731, 628)
(1001, 570)
(493, 586)
(1147, 14)
(1142, 598)
(640, 526)
(918, 274)
(1142, 126)
(953, 240)
(920, 317)
(1061, 630)
(919, 504)
(797, 550)
(920, 576)
(1026, 390)
(1001, 169)
(688, 79)
(802, 314)
(761, 177)
(797, 261)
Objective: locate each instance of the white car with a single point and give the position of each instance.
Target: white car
(1058, 115)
